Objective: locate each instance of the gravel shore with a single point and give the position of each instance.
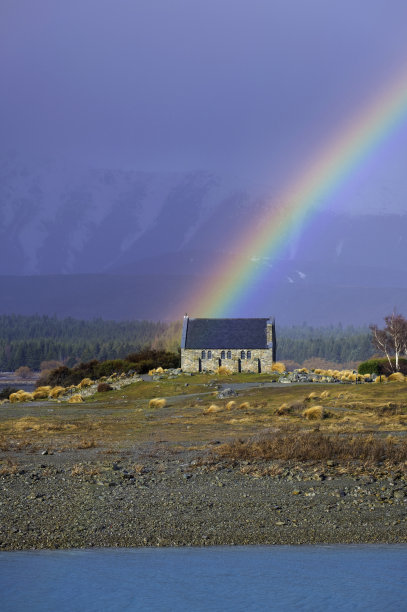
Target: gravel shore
(90, 499)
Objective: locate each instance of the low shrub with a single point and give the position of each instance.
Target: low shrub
(104, 387)
(231, 405)
(7, 391)
(278, 366)
(382, 366)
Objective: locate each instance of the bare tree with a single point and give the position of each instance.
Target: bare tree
(392, 340)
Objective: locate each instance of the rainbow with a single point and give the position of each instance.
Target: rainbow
(331, 168)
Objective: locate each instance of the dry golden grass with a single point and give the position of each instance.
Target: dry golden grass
(41, 392)
(213, 408)
(291, 444)
(396, 377)
(79, 469)
(381, 378)
(223, 371)
(57, 392)
(75, 399)
(21, 396)
(278, 366)
(85, 382)
(290, 408)
(9, 468)
(314, 413)
(158, 370)
(311, 396)
(231, 405)
(244, 406)
(157, 402)
(86, 443)
(324, 394)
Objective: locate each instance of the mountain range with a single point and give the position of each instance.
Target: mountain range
(121, 244)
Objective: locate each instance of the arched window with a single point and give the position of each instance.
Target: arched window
(222, 355)
(209, 354)
(229, 355)
(203, 355)
(242, 355)
(249, 354)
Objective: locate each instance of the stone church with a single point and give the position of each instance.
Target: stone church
(241, 345)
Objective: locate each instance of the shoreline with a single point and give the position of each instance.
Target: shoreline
(93, 499)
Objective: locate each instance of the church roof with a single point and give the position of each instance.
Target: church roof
(225, 333)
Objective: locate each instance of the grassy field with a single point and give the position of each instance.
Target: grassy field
(193, 417)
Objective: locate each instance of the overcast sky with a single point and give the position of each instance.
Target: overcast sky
(247, 87)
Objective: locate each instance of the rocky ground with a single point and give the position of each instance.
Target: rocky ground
(155, 497)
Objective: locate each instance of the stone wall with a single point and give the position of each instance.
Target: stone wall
(190, 360)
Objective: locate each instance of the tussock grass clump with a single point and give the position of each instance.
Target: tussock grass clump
(381, 378)
(324, 394)
(314, 413)
(9, 468)
(157, 402)
(86, 443)
(75, 399)
(42, 392)
(56, 392)
(231, 405)
(158, 370)
(312, 396)
(290, 408)
(244, 406)
(291, 444)
(79, 469)
(396, 377)
(21, 396)
(223, 371)
(278, 366)
(85, 382)
(213, 408)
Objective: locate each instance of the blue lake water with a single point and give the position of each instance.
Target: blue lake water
(285, 578)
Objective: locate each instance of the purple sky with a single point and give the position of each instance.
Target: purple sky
(247, 87)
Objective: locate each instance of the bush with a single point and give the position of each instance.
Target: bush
(104, 387)
(6, 392)
(278, 367)
(382, 366)
(23, 372)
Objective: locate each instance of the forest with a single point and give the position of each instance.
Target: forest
(32, 340)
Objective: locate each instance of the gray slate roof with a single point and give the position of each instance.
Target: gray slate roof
(226, 334)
